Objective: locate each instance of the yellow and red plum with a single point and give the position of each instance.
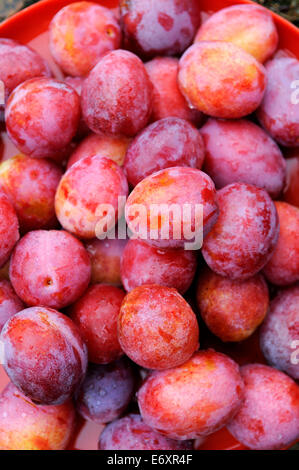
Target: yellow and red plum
(90, 185)
(157, 328)
(232, 309)
(25, 425)
(194, 399)
(80, 34)
(30, 184)
(105, 256)
(176, 188)
(250, 27)
(283, 267)
(104, 145)
(221, 80)
(168, 100)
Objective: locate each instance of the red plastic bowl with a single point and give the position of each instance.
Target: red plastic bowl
(30, 26)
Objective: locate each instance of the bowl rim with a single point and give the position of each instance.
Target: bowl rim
(25, 13)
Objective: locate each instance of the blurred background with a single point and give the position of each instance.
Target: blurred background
(289, 9)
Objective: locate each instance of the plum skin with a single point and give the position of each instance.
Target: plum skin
(145, 264)
(221, 80)
(157, 328)
(131, 433)
(106, 391)
(44, 355)
(245, 235)
(42, 117)
(247, 26)
(280, 329)
(95, 314)
(31, 184)
(27, 426)
(269, 416)
(232, 310)
(166, 143)
(172, 186)
(175, 402)
(80, 34)
(63, 274)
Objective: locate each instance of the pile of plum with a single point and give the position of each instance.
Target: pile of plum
(156, 107)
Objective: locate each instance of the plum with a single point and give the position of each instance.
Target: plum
(44, 355)
(194, 399)
(49, 267)
(164, 28)
(269, 416)
(172, 207)
(87, 200)
(280, 332)
(250, 27)
(116, 96)
(30, 185)
(166, 143)
(42, 117)
(240, 151)
(80, 34)
(279, 110)
(232, 309)
(27, 426)
(106, 391)
(221, 80)
(157, 328)
(95, 314)
(131, 433)
(244, 238)
(283, 267)
(144, 264)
